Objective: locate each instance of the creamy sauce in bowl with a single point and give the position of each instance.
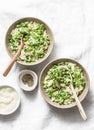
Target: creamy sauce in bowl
(9, 100)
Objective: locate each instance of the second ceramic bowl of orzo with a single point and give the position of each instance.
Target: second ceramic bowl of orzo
(55, 80)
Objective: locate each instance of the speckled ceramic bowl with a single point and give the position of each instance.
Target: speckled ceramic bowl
(49, 32)
(44, 73)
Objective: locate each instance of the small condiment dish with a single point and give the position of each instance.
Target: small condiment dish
(27, 80)
(10, 100)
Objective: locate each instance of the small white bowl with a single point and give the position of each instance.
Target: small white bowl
(23, 86)
(17, 103)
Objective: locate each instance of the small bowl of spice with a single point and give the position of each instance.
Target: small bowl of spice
(27, 80)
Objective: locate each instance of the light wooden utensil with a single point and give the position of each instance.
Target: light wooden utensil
(80, 108)
(7, 70)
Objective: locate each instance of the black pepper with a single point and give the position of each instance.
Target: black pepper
(28, 79)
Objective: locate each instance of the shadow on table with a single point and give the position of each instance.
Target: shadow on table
(72, 115)
(32, 95)
(11, 117)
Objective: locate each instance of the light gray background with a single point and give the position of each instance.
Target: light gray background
(72, 23)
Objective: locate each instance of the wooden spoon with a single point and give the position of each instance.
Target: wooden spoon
(81, 110)
(7, 70)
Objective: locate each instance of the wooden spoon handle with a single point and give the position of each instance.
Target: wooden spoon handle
(9, 67)
(13, 59)
(81, 110)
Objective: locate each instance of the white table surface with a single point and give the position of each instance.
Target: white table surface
(72, 23)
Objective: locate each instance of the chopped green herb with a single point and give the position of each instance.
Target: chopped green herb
(36, 40)
(57, 82)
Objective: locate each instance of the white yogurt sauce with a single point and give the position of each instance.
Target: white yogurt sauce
(8, 99)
